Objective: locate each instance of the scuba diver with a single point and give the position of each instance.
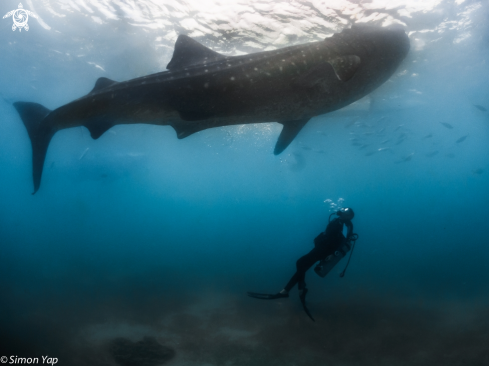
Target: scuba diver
(330, 247)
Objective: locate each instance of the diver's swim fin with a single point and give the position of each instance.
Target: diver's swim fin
(302, 296)
(267, 296)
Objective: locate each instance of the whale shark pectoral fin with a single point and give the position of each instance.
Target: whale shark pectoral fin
(345, 66)
(189, 52)
(290, 130)
(102, 83)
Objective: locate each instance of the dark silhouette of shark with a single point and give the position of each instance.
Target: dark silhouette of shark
(204, 89)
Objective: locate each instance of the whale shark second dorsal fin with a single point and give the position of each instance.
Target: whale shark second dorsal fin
(189, 53)
(102, 83)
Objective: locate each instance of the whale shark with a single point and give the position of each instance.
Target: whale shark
(204, 89)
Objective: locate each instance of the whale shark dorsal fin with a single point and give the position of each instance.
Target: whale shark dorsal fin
(289, 132)
(189, 53)
(345, 66)
(102, 83)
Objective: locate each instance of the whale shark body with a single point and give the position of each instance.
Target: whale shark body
(204, 89)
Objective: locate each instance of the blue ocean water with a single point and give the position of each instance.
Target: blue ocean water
(139, 237)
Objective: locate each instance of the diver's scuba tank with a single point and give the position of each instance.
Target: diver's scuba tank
(327, 264)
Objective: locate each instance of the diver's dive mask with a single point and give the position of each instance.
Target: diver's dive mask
(345, 214)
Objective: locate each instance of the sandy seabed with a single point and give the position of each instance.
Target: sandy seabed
(162, 318)
(214, 328)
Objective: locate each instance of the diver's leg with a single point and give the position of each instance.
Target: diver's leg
(292, 282)
(303, 264)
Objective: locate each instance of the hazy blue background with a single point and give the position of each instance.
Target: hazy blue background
(139, 233)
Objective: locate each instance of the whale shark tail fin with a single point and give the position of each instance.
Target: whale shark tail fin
(40, 134)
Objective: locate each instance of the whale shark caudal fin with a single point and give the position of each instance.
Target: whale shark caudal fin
(33, 115)
(290, 130)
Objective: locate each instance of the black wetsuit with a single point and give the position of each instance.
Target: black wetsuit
(325, 244)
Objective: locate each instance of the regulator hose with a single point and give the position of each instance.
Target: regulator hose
(353, 238)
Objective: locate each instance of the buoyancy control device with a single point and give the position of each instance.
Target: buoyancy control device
(327, 264)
